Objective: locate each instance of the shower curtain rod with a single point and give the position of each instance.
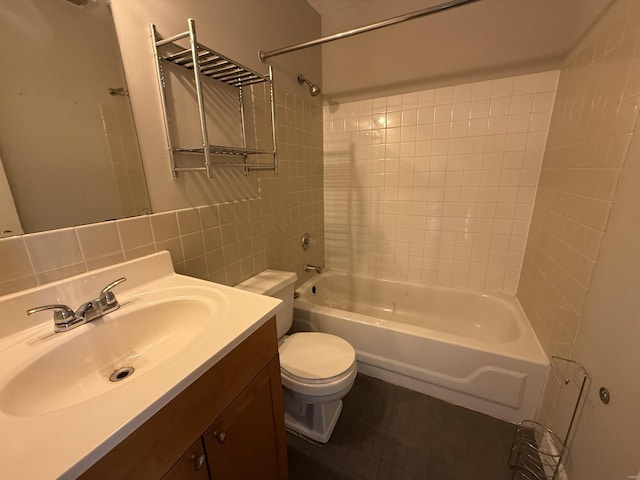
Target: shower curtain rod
(366, 28)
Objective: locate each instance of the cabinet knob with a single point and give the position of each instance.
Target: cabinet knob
(198, 461)
(220, 436)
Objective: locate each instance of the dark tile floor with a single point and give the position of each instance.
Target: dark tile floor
(389, 432)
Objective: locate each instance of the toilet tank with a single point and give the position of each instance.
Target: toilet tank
(277, 284)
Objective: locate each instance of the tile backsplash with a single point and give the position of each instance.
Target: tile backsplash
(226, 242)
(43, 257)
(437, 186)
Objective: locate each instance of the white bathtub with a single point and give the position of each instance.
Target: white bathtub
(472, 349)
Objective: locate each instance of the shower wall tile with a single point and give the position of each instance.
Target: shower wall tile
(437, 186)
(595, 113)
(225, 243)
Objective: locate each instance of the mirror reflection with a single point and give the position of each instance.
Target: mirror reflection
(68, 147)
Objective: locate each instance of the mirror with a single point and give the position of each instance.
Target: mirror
(68, 144)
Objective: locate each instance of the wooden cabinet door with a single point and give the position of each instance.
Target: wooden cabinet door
(247, 441)
(192, 465)
(155, 446)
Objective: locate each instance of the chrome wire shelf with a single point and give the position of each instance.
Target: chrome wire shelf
(253, 167)
(537, 453)
(205, 62)
(226, 151)
(217, 66)
(220, 150)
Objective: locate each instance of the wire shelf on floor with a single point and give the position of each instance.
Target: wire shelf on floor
(537, 452)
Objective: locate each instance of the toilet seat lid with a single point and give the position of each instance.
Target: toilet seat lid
(316, 356)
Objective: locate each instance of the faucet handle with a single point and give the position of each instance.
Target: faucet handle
(107, 297)
(62, 312)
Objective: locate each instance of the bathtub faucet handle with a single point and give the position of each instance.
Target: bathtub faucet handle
(312, 268)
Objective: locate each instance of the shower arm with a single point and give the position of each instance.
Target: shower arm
(366, 28)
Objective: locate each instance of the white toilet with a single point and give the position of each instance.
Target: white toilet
(317, 369)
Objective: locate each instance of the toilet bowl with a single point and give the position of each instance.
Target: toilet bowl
(317, 369)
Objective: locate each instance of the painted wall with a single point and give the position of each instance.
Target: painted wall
(481, 41)
(437, 186)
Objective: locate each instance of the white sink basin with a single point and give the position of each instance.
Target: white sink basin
(57, 404)
(145, 332)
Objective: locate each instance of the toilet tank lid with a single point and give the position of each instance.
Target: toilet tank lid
(268, 282)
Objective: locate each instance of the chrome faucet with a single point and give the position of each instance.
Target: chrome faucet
(65, 319)
(312, 268)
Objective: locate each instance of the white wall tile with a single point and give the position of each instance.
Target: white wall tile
(587, 141)
(454, 173)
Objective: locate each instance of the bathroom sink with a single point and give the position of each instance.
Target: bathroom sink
(55, 388)
(106, 353)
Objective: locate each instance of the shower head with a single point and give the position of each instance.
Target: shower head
(313, 88)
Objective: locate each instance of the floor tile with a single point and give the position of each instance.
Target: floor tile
(388, 432)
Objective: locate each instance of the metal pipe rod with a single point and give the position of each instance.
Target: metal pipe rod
(273, 120)
(160, 43)
(163, 100)
(366, 28)
(249, 166)
(196, 72)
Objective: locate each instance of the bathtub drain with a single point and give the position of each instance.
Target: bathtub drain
(121, 374)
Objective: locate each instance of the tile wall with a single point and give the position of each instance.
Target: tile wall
(595, 113)
(124, 153)
(596, 110)
(437, 185)
(226, 242)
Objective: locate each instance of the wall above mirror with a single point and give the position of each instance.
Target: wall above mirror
(68, 143)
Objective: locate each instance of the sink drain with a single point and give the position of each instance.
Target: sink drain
(121, 374)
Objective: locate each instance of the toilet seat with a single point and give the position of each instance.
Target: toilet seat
(315, 358)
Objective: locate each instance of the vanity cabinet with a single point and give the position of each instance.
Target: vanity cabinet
(245, 426)
(227, 424)
(192, 465)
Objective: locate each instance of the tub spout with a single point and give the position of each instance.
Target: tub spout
(312, 268)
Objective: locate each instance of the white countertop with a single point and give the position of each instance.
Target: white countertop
(65, 442)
